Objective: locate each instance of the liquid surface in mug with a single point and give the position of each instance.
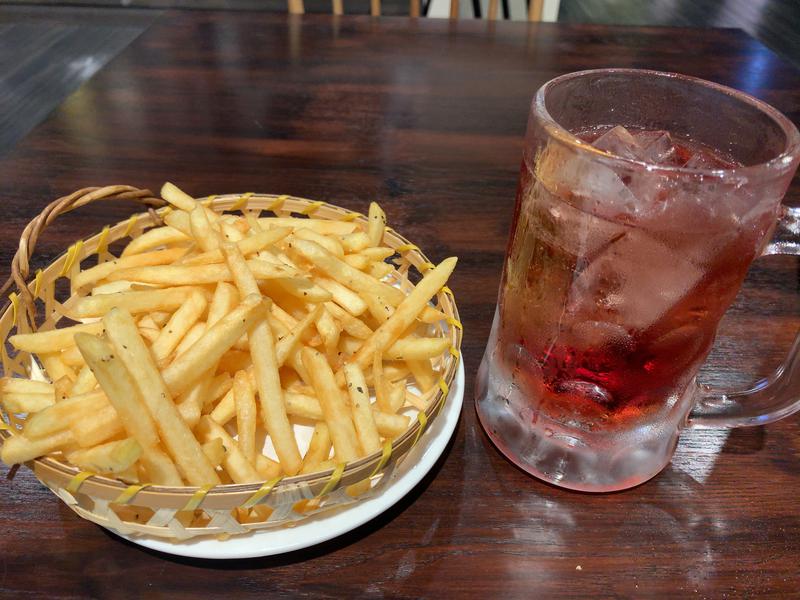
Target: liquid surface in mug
(614, 284)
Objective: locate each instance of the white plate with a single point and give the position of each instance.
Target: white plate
(321, 528)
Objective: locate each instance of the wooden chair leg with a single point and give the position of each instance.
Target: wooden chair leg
(296, 7)
(454, 9)
(535, 10)
(375, 8)
(338, 7)
(492, 12)
(413, 9)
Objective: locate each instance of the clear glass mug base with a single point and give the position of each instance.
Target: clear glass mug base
(569, 457)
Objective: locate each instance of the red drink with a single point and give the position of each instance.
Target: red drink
(606, 315)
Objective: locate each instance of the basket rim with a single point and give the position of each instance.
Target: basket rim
(392, 239)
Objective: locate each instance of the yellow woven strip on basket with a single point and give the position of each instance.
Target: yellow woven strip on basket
(126, 496)
(454, 351)
(311, 208)
(131, 223)
(351, 216)
(198, 497)
(241, 202)
(102, 242)
(14, 298)
(76, 482)
(276, 206)
(262, 492)
(425, 267)
(209, 200)
(455, 323)
(406, 247)
(5, 426)
(447, 290)
(71, 251)
(423, 422)
(443, 386)
(386, 454)
(334, 480)
(37, 283)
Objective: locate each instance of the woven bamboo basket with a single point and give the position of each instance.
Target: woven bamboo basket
(187, 512)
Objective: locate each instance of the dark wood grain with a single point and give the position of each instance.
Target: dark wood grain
(428, 118)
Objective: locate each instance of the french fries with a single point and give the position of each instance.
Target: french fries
(215, 330)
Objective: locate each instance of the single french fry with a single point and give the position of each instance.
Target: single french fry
(363, 418)
(288, 343)
(380, 384)
(174, 274)
(376, 224)
(406, 312)
(194, 334)
(178, 198)
(175, 435)
(72, 358)
(26, 402)
(354, 242)
(160, 236)
(302, 288)
(206, 352)
(214, 450)
(267, 468)
(225, 299)
(378, 254)
(219, 386)
(112, 457)
(201, 230)
(179, 219)
(379, 270)
(103, 270)
(96, 428)
(265, 365)
(329, 331)
(245, 415)
(19, 449)
(331, 244)
(324, 227)
(133, 302)
(334, 407)
(319, 448)
(357, 261)
(58, 416)
(396, 395)
(191, 403)
(343, 296)
(17, 385)
(122, 394)
(85, 382)
(423, 374)
(235, 462)
(182, 319)
(417, 348)
(56, 368)
(44, 342)
(307, 407)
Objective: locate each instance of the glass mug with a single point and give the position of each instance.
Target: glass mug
(627, 246)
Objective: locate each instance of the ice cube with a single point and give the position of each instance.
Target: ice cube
(657, 147)
(619, 141)
(633, 282)
(566, 227)
(706, 161)
(587, 183)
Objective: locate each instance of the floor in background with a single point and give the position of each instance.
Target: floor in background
(46, 53)
(775, 23)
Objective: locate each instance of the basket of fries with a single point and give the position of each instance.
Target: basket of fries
(222, 365)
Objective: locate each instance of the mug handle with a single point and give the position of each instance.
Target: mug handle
(774, 397)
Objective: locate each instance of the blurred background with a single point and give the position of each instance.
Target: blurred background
(49, 47)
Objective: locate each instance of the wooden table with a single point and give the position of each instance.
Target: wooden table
(426, 116)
